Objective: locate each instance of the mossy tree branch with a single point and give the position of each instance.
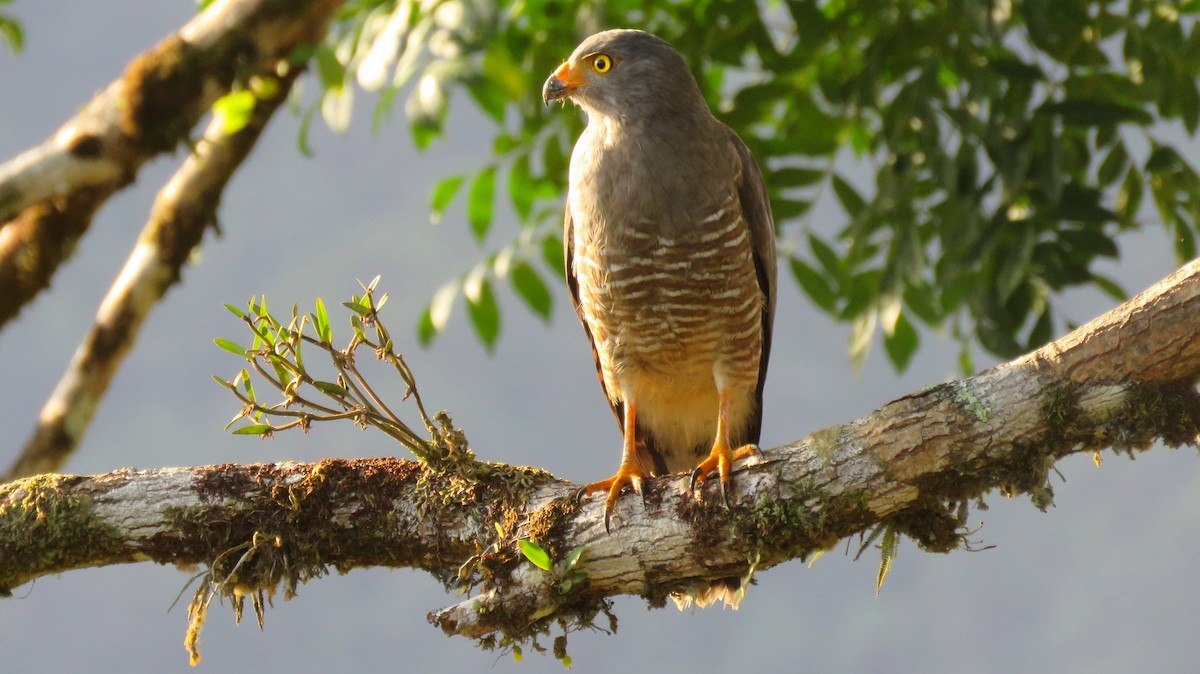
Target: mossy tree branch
(914, 465)
(148, 111)
(185, 208)
(49, 193)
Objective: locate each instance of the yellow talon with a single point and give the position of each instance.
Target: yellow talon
(628, 474)
(720, 460)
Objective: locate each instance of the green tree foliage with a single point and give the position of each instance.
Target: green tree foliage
(10, 30)
(1009, 140)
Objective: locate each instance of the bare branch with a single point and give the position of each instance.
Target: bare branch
(49, 193)
(1119, 382)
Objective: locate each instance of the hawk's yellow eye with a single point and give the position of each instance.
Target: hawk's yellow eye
(602, 63)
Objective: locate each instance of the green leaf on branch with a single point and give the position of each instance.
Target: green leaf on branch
(330, 388)
(815, 285)
(530, 288)
(337, 107)
(248, 386)
(234, 110)
(443, 193)
(253, 429)
(482, 309)
(851, 201)
(426, 109)
(11, 32)
(1110, 287)
(1096, 113)
(789, 209)
(554, 255)
(887, 554)
(321, 323)
(572, 558)
(425, 329)
(480, 203)
(830, 261)
(1042, 331)
(536, 555)
(795, 177)
(437, 314)
(521, 189)
(554, 157)
(1185, 240)
(862, 331)
(488, 97)
(504, 72)
(901, 344)
(329, 68)
(1114, 165)
(231, 346)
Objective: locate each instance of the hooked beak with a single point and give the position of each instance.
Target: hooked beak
(561, 84)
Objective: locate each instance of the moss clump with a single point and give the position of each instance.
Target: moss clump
(785, 525)
(43, 530)
(455, 479)
(164, 86)
(1059, 410)
(300, 529)
(548, 525)
(514, 638)
(936, 527)
(1170, 411)
(1027, 471)
(254, 545)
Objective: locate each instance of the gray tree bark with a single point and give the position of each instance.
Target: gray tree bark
(1122, 381)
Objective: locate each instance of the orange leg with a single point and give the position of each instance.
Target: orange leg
(629, 473)
(720, 460)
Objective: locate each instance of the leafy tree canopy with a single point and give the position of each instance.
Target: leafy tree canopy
(1010, 141)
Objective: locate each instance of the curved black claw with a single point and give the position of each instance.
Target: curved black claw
(726, 485)
(581, 493)
(610, 503)
(608, 507)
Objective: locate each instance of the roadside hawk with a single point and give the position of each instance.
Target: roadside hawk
(670, 259)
